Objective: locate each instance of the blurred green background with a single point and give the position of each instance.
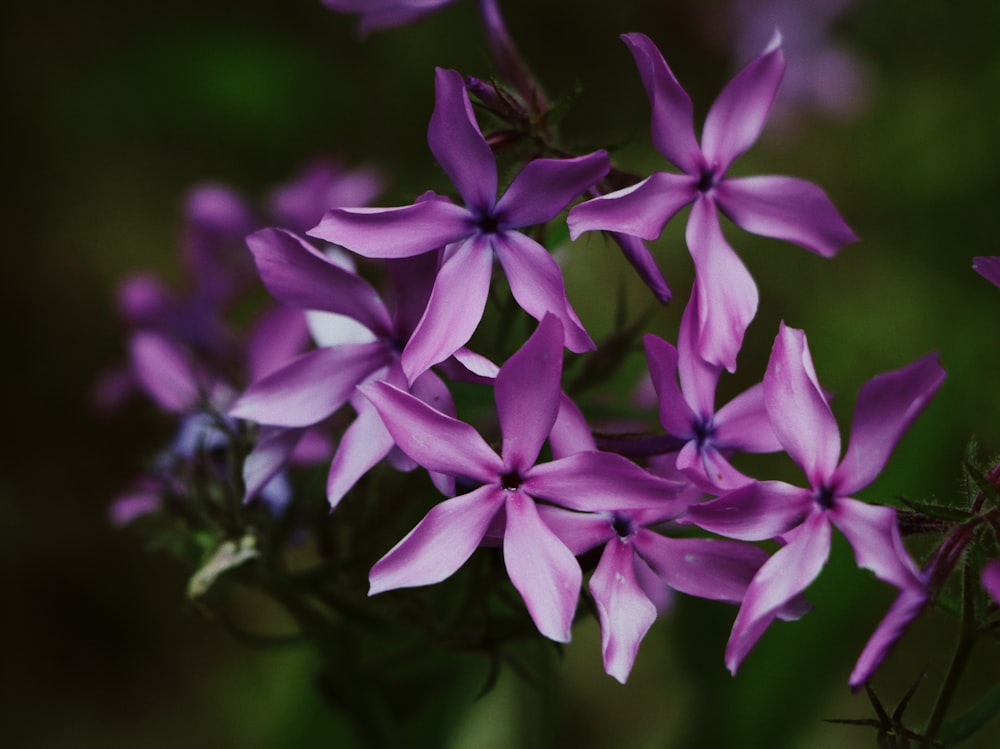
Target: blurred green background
(114, 111)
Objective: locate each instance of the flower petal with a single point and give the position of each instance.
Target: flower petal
(727, 295)
(991, 579)
(640, 258)
(672, 124)
(527, 394)
(625, 613)
(874, 535)
(988, 268)
(785, 208)
(396, 232)
(271, 453)
(903, 611)
(545, 186)
(537, 284)
(311, 386)
(166, 372)
(277, 335)
(640, 210)
(886, 406)
(755, 512)
(300, 276)
(580, 531)
(455, 307)
(543, 570)
(601, 482)
(676, 415)
(365, 442)
(797, 407)
(570, 433)
(743, 423)
(781, 578)
(434, 440)
(458, 145)
(698, 377)
(738, 114)
(439, 544)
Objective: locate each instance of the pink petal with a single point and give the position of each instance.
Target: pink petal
(676, 415)
(457, 143)
(698, 377)
(640, 210)
(396, 232)
(706, 466)
(625, 613)
(271, 454)
(903, 611)
(785, 208)
(365, 442)
(755, 512)
(878, 546)
(727, 295)
(277, 336)
(886, 406)
(455, 307)
(543, 570)
(744, 425)
(672, 125)
(579, 531)
(640, 258)
(439, 544)
(570, 434)
(166, 372)
(988, 268)
(797, 407)
(546, 186)
(537, 284)
(311, 386)
(991, 579)
(738, 114)
(527, 394)
(783, 577)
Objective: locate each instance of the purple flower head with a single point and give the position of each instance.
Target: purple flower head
(299, 204)
(701, 435)
(781, 207)
(805, 427)
(472, 234)
(544, 571)
(639, 567)
(988, 267)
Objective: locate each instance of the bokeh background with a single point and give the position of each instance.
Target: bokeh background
(113, 111)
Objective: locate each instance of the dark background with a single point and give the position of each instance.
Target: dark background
(112, 112)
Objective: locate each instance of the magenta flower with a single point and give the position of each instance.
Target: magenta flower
(991, 580)
(383, 14)
(781, 207)
(988, 267)
(804, 424)
(702, 436)
(540, 566)
(473, 234)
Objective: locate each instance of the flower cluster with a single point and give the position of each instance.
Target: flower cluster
(643, 514)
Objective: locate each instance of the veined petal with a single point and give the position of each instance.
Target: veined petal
(625, 613)
(601, 482)
(300, 276)
(886, 406)
(874, 535)
(672, 126)
(311, 386)
(727, 295)
(543, 570)
(439, 544)
(903, 611)
(754, 512)
(743, 423)
(710, 568)
(781, 578)
(797, 407)
(545, 186)
(457, 143)
(640, 210)
(365, 442)
(676, 415)
(537, 284)
(527, 394)
(396, 232)
(785, 208)
(455, 307)
(738, 114)
(436, 441)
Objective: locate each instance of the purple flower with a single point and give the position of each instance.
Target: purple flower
(991, 579)
(473, 234)
(804, 424)
(323, 184)
(701, 435)
(383, 14)
(988, 267)
(781, 207)
(544, 571)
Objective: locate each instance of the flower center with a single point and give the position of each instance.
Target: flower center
(703, 431)
(708, 180)
(488, 225)
(510, 480)
(622, 525)
(824, 497)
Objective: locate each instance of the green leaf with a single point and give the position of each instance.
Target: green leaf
(936, 510)
(983, 483)
(959, 729)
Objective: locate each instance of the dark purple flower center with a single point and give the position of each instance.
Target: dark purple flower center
(510, 480)
(708, 179)
(488, 225)
(622, 525)
(704, 430)
(824, 497)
